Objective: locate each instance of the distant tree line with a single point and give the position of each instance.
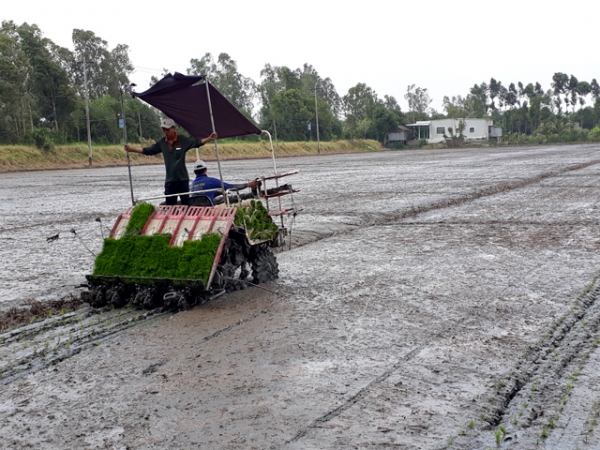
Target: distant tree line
(43, 93)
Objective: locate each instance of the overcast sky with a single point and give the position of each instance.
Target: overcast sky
(444, 46)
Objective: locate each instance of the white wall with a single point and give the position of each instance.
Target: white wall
(479, 126)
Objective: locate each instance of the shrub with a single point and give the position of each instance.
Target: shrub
(42, 138)
(594, 134)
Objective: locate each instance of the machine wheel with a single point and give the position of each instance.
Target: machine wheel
(264, 266)
(233, 268)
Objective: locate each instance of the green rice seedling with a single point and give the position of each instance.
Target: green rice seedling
(67, 346)
(520, 413)
(450, 441)
(497, 435)
(472, 424)
(47, 345)
(502, 429)
(551, 424)
(462, 433)
(515, 421)
(544, 433)
(524, 404)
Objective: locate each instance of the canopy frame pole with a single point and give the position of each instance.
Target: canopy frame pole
(274, 173)
(212, 121)
(125, 143)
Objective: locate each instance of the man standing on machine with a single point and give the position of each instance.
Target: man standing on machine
(173, 147)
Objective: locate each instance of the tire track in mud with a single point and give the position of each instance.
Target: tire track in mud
(34, 347)
(414, 211)
(527, 405)
(507, 394)
(351, 401)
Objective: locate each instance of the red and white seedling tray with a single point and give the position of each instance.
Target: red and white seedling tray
(223, 219)
(155, 222)
(118, 229)
(175, 216)
(187, 225)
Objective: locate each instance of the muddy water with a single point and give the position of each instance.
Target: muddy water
(438, 299)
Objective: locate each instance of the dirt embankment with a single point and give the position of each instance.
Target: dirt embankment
(76, 156)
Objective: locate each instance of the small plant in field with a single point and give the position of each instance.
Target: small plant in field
(472, 424)
(462, 433)
(67, 346)
(544, 433)
(450, 441)
(497, 436)
(515, 421)
(502, 429)
(551, 424)
(524, 404)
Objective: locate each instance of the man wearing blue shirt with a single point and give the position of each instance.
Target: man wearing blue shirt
(203, 182)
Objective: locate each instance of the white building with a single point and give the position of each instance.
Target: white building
(434, 130)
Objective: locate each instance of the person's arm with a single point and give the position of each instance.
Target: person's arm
(152, 150)
(200, 142)
(130, 149)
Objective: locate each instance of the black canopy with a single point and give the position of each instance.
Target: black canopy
(186, 102)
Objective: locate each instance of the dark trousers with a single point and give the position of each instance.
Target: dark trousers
(176, 187)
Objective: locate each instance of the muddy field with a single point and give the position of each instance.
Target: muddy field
(431, 299)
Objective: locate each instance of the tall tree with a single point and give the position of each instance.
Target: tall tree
(224, 75)
(51, 84)
(560, 82)
(418, 99)
(359, 103)
(107, 70)
(17, 103)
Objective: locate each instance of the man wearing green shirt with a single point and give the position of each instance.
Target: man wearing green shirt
(173, 147)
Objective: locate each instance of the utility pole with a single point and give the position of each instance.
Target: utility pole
(140, 124)
(87, 113)
(317, 115)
